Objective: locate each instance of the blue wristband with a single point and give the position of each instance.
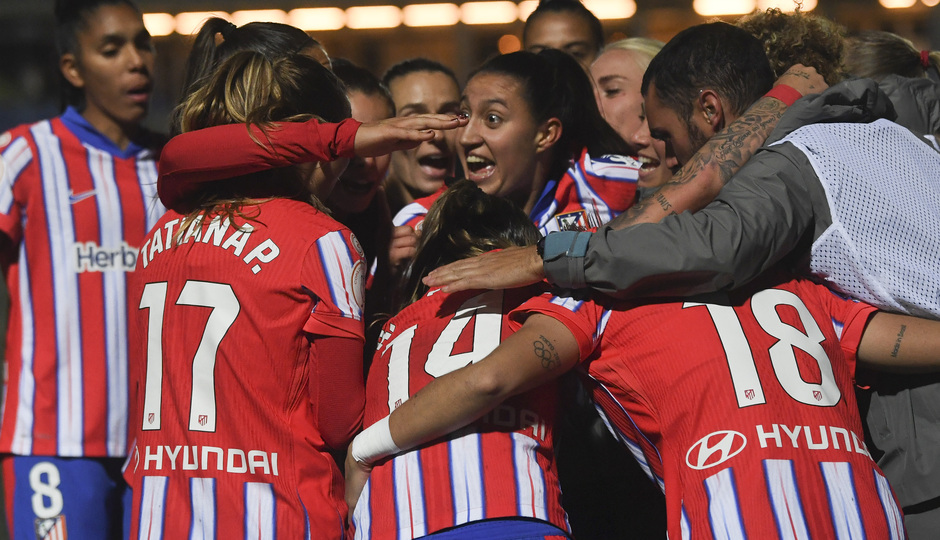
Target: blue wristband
(566, 243)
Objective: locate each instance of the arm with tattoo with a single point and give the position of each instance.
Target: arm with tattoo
(901, 343)
(700, 180)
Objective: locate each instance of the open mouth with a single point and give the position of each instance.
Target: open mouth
(140, 93)
(647, 164)
(479, 168)
(435, 166)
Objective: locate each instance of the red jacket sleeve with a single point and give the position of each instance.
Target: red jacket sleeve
(226, 151)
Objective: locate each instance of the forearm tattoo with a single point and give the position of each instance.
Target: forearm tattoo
(720, 158)
(545, 351)
(897, 343)
(731, 148)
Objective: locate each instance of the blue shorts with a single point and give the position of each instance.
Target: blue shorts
(55, 498)
(503, 529)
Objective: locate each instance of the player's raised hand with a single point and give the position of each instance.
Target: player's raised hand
(505, 269)
(402, 247)
(402, 132)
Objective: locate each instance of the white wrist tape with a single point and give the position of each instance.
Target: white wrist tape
(374, 443)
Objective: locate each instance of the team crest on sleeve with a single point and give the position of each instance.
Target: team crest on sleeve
(359, 283)
(357, 246)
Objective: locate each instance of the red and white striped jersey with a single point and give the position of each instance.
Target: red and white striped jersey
(742, 409)
(500, 466)
(76, 208)
(592, 192)
(239, 391)
(413, 214)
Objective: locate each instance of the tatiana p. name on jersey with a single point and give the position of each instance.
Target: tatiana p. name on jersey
(219, 233)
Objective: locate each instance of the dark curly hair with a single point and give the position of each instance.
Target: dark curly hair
(799, 38)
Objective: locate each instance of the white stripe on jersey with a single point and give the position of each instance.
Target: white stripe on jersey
(15, 158)
(65, 286)
(724, 510)
(406, 214)
(362, 515)
(892, 513)
(546, 218)
(152, 507)
(337, 264)
(602, 325)
(114, 285)
(567, 302)
(259, 511)
(838, 326)
(616, 167)
(843, 501)
(684, 525)
(202, 498)
(466, 478)
(588, 199)
(23, 431)
(530, 480)
(785, 499)
(409, 495)
(147, 179)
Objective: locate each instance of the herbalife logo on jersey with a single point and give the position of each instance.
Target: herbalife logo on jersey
(90, 257)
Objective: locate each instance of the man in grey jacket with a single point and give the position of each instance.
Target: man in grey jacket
(838, 191)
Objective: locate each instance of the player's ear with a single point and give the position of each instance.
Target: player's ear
(71, 70)
(548, 134)
(712, 109)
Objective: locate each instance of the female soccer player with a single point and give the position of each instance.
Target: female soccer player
(184, 165)
(76, 199)
(497, 478)
(565, 25)
(535, 136)
(617, 73)
(247, 333)
(741, 407)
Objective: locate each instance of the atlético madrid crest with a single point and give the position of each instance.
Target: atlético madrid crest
(51, 528)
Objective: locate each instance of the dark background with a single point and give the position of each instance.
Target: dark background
(28, 65)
